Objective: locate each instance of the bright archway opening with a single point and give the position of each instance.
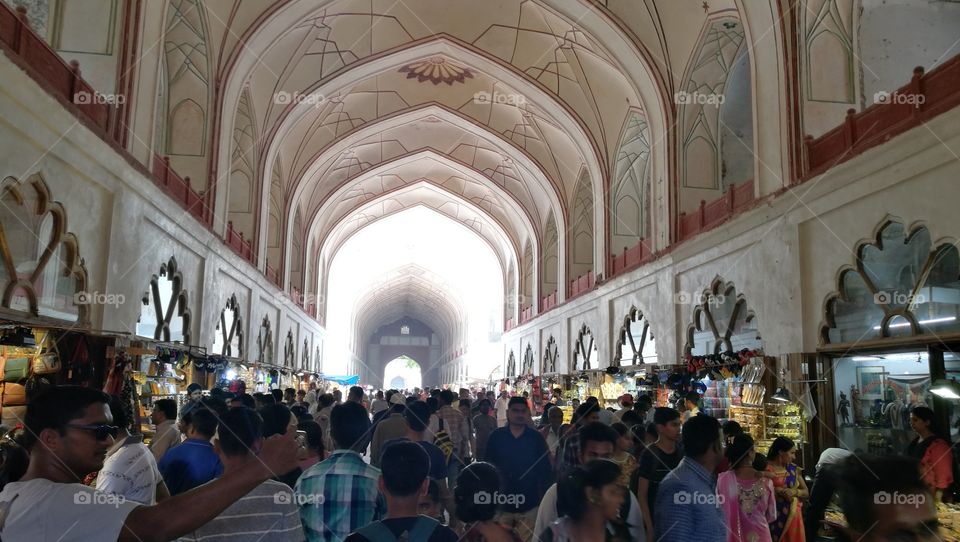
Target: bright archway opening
(403, 373)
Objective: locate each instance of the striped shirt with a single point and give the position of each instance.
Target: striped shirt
(269, 512)
(338, 496)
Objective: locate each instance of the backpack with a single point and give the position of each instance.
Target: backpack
(442, 441)
(421, 531)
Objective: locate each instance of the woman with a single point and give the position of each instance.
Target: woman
(589, 500)
(623, 456)
(277, 420)
(478, 526)
(931, 451)
(789, 488)
(748, 502)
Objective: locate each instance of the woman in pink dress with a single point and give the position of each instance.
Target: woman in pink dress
(745, 495)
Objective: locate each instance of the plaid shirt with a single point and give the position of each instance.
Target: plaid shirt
(456, 426)
(350, 498)
(568, 453)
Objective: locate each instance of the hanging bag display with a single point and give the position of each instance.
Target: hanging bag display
(13, 395)
(46, 363)
(14, 369)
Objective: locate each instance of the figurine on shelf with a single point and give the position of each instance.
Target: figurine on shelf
(857, 407)
(844, 410)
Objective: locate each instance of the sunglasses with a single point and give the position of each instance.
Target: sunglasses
(100, 431)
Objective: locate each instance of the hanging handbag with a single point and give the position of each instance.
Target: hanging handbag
(14, 369)
(46, 363)
(12, 415)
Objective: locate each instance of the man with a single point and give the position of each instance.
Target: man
(340, 494)
(501, 408)
(686, 506)
(323, 418)
(337, 396)
(130, 470)
(451, 420)
(68, 433)
(884, 498)
(267, 512)
(355, 395)
(597, 441)
(691, 405)
(391, 427)
(558, 397)
(194, 462)
(656, 462)
(403, 481)
(194, 395)
(464, 406)
(551, 432)
(605, 416)
(568, 449)
(626, 405)
(301, 400)
(483, 424)
(313, 398)
(289, 396)
(520, 454)
(164, 416)
(379, 404)
(644, 408)
(826, 479)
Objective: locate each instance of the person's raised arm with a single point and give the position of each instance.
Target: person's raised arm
(184, 513)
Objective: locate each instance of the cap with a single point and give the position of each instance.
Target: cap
(398, 399)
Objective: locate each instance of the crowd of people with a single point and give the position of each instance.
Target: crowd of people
(436, 466)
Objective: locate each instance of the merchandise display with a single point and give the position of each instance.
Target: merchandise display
(785, 420)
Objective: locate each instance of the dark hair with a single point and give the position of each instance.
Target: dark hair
(447, 397)
(417, 415)
(325, 400)
(246, 400)
(56, 407)
(585, 410)
(239, 430)
(433, 404)
(692, 396)
(665, 415)
(300, 412)
(476, 478)
(289, 391)
(168, 407)
(404, 466)
(120, 417)
(731, 428)
(267, 399)
(433, 491)
(779, 445)
(621, 428)
(465, 403)
(631, 418)
(314, 435)
(644, 400)
(435, 392)
(203, 420)
(572, 488)
(194, 387)
(597, 432)
(699, 434)
(926, 414)
(15, 459)
(517, 401)
(738, 448)
(277, 395)
(276, 419)
(652, 430)
(484, 406)
(863, 477)
(216, 404)
(350, 426)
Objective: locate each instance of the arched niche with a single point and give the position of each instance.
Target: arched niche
(41, 271)
(585, 350)
(550, 355)
(265, 342)
(527, 367)
(165, 313)
(722, 322)
(511, 370)
(635, 341)
(899, 285)
(228, 335)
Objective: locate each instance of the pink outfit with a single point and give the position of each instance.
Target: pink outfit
(749, 506)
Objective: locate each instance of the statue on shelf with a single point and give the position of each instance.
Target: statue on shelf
(844, 409)
(857, 407)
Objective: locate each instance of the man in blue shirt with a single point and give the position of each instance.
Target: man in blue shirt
(194, 462)
(687, 507)
(520, 454)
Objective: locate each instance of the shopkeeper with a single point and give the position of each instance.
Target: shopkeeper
(933, 452)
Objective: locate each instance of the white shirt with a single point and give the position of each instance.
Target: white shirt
(548, 514)
(44, 511)
(501, 407)
(831, 456)
(132, 472)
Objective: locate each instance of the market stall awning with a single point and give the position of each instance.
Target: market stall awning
(343, 380)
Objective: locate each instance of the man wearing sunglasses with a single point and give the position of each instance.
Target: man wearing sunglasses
(68, 432)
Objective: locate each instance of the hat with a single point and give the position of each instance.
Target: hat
(398, 399)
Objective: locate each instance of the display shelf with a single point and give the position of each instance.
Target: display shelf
(750, 418)
(784, 420)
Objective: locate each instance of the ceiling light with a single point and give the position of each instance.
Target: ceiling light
(922, 322)
(947, 389)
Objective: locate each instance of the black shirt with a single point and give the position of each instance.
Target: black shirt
(524, 467)
(401, 527)
(655, 464)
